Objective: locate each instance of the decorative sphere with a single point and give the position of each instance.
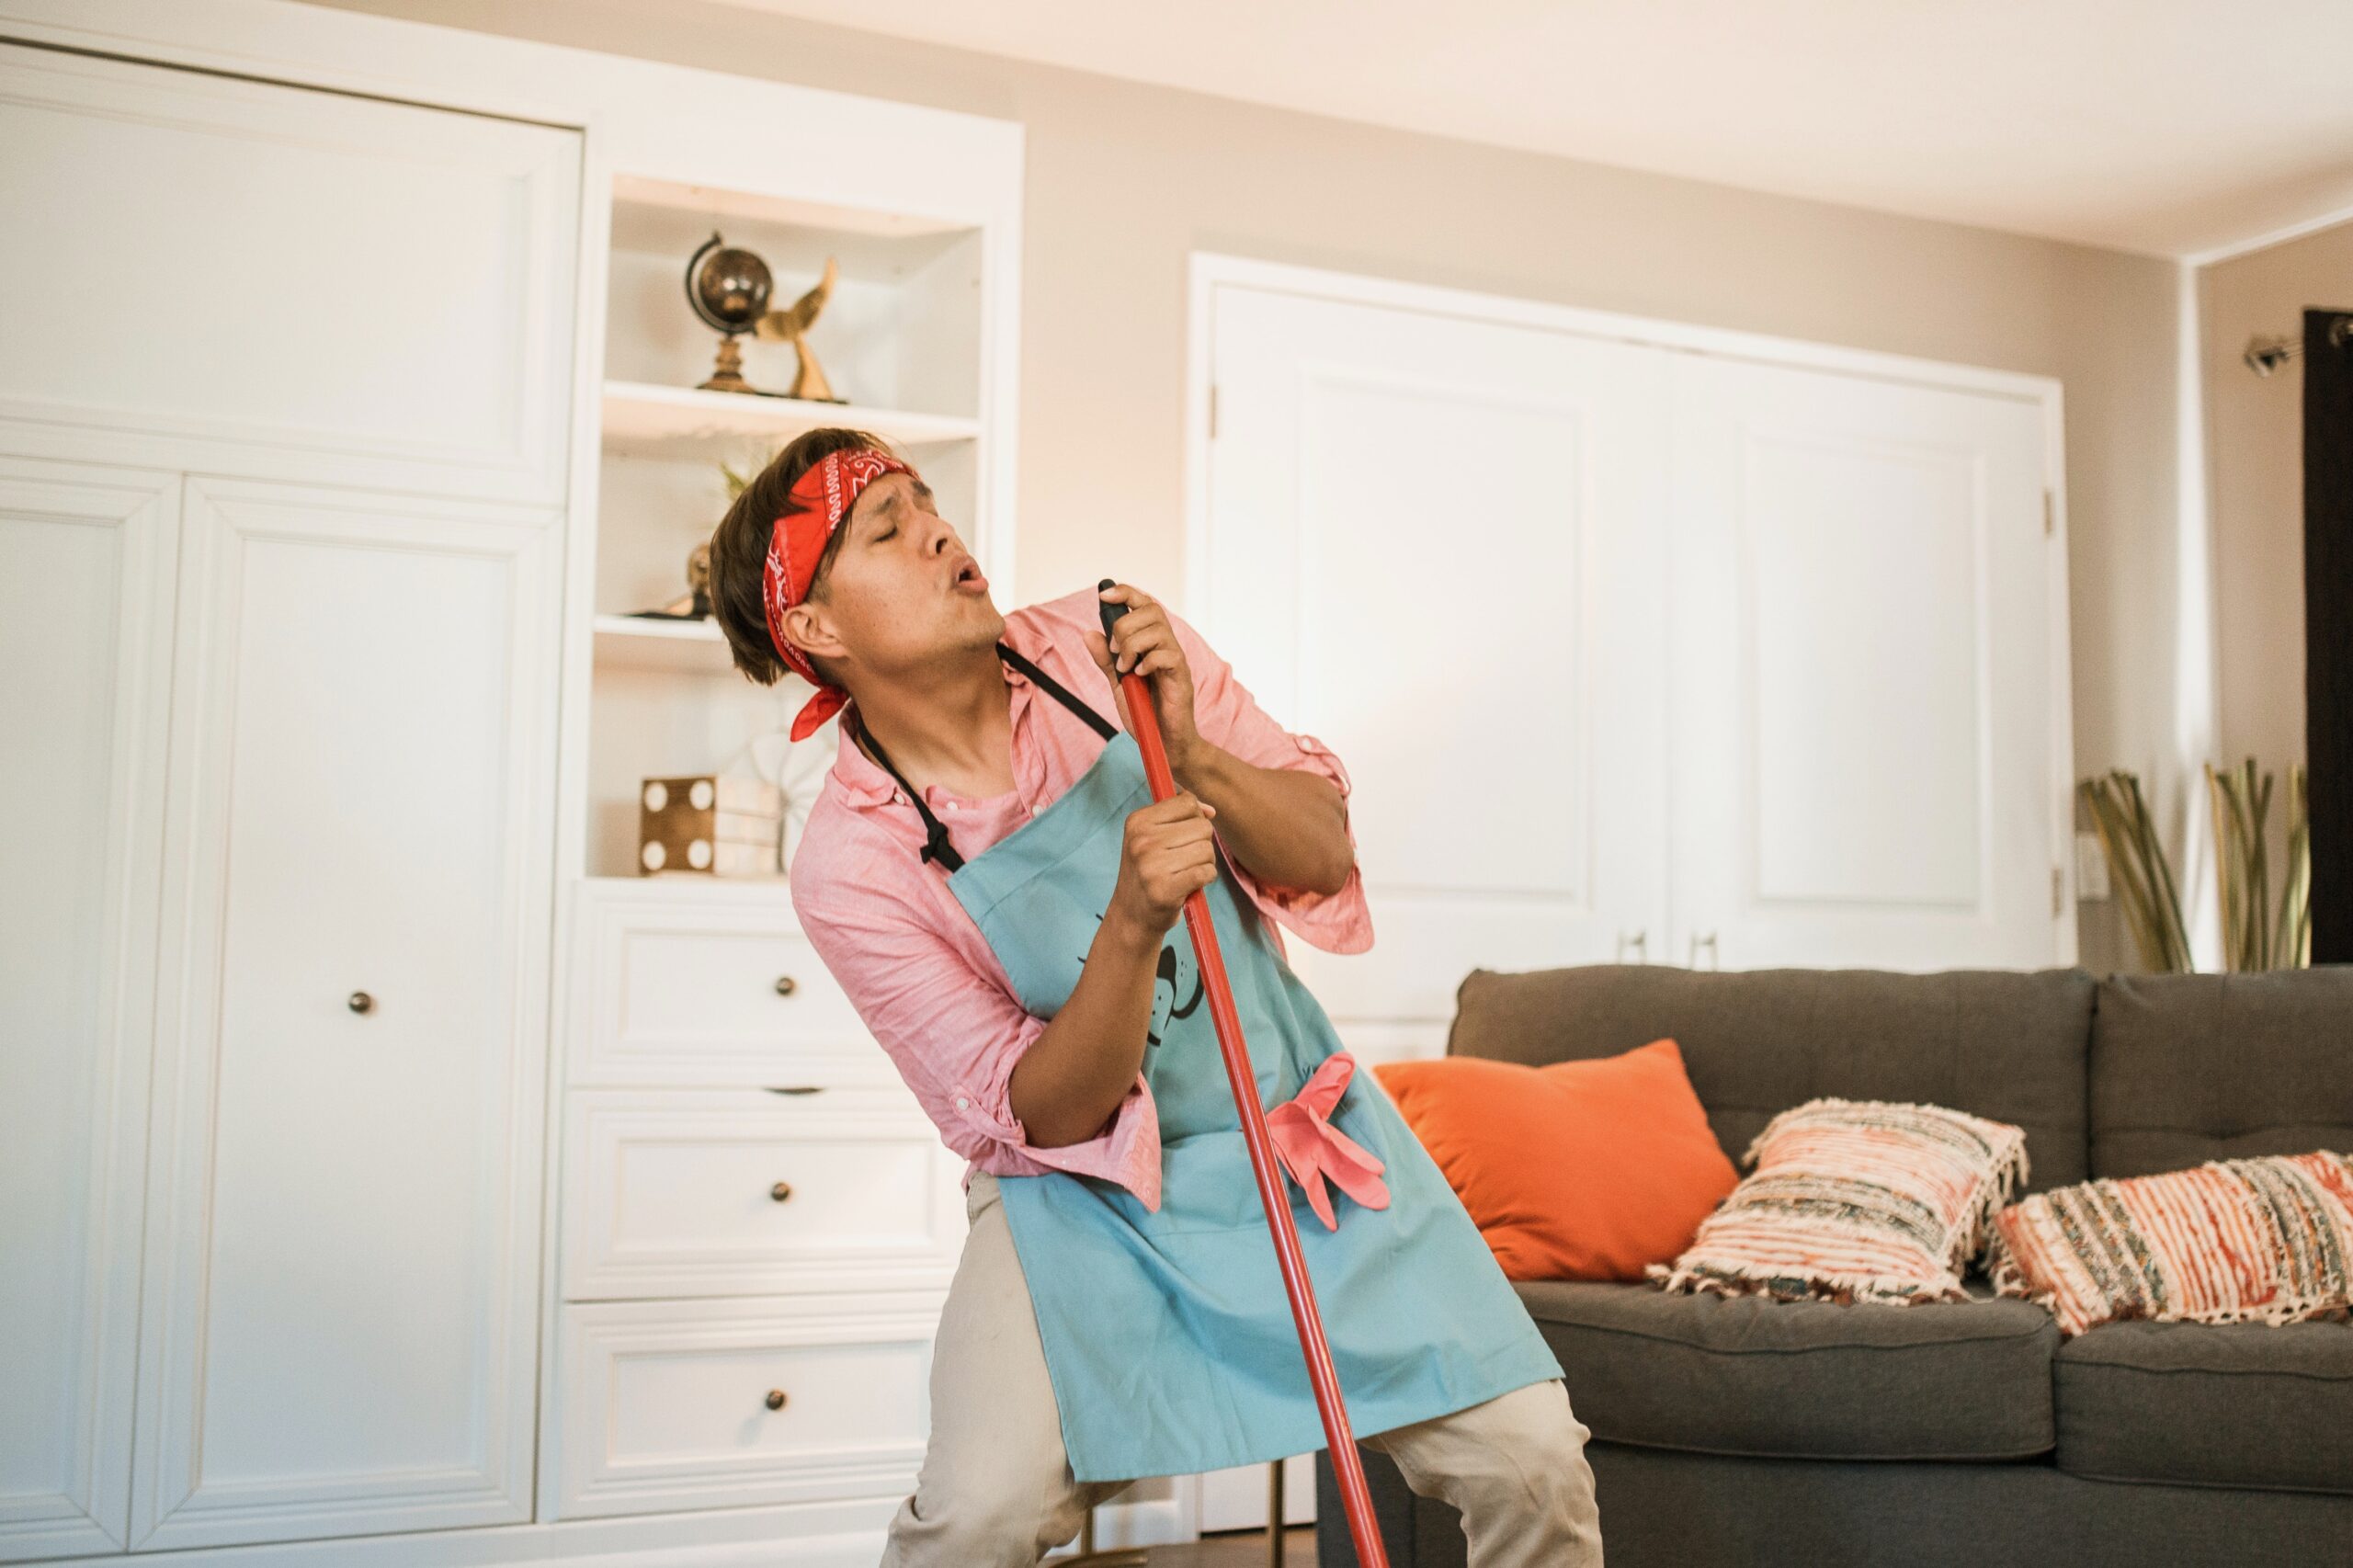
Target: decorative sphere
(728, 287)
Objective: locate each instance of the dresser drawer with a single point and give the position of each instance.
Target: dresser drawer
(715, 1192)
(669, 1406)
(689, 983)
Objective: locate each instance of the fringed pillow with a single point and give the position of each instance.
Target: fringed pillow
(1857, 1201)
(2259, 1240)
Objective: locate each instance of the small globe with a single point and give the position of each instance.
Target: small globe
(728, 287)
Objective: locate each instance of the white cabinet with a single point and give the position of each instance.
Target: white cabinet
(281, 696)
(242, 275)
(85, 634)
(745, 1191)
(751, 1201)
(340, 1319)
(722, 1403)
(683, 980)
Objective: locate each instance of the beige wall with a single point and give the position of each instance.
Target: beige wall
(1125, 179)
(2256, 476)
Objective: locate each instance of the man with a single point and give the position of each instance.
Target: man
(986, 875)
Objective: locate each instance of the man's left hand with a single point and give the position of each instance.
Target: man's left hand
(1144, 642)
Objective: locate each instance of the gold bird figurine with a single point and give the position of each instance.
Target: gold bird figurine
(791, 326)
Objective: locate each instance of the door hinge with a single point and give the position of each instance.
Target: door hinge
(2058, 893)
(2049, 514)
(1212, 413)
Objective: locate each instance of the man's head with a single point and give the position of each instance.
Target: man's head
(885, 597)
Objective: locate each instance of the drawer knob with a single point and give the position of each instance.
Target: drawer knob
(780, 1191)
(786, 985)
(776, 1399)
(361, 1002)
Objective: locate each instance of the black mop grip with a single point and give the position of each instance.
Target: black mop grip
(1111, 612)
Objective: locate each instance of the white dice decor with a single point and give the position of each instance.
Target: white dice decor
(718, 825)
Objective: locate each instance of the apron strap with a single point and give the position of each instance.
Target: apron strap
(934, 836)
(1096, 722)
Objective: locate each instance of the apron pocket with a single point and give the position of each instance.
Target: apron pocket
(1205, 1184)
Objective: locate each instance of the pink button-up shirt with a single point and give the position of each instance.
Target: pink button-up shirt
(924, 981)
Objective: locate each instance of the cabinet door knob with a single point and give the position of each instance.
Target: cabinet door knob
(780, 1191)
(786, 985)
(776, 1399)
(361, 1002)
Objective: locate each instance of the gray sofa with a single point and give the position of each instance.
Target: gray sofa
(1737, 1431)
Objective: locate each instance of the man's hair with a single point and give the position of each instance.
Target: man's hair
(739, 550)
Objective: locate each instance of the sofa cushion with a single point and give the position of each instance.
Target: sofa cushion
(2193, 1067)
(1579, 1170)
(1752, 1376)
(2003, 1044)
(2214, 1405)
(2265, 1239)
(1857, 1201)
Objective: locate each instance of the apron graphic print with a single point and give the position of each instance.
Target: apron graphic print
(1177, 991)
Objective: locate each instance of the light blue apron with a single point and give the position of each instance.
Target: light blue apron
(1167, 1335)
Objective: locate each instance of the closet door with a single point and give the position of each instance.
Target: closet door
(345, 325)
(238, 276)
(342, 1302)
(1869, 696)
(1438, 545)
(86, 633)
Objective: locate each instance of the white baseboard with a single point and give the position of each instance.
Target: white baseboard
(832, 1535)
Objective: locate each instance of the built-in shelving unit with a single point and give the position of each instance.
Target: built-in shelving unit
(749, 1201)
(906, 336)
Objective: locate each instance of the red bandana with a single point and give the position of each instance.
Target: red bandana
(820, 499)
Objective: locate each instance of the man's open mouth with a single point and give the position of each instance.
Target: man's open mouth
(967, 578)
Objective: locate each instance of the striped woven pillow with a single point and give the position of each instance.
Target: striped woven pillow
(2262, 1240)
(1856, 1200)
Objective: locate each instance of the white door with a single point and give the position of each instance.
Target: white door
(86, 636)
(342, 1273)
(1868, 693)
(1437, 544)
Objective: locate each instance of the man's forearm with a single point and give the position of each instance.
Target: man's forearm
(1073, 1077)
(1287, 826)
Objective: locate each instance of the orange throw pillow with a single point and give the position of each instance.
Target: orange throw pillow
(1579, 1170)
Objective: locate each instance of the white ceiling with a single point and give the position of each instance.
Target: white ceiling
(2173, 127)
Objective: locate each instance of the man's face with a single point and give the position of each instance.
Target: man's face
(903, 588)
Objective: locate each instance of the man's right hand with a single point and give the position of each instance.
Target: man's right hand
(1169, 852)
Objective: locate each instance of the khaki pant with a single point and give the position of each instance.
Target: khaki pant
(996, 1490)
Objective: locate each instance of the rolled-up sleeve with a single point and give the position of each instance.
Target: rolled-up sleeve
(1228, 716)
(954, 1032)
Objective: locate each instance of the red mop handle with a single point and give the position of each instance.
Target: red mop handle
(1347, 1466)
